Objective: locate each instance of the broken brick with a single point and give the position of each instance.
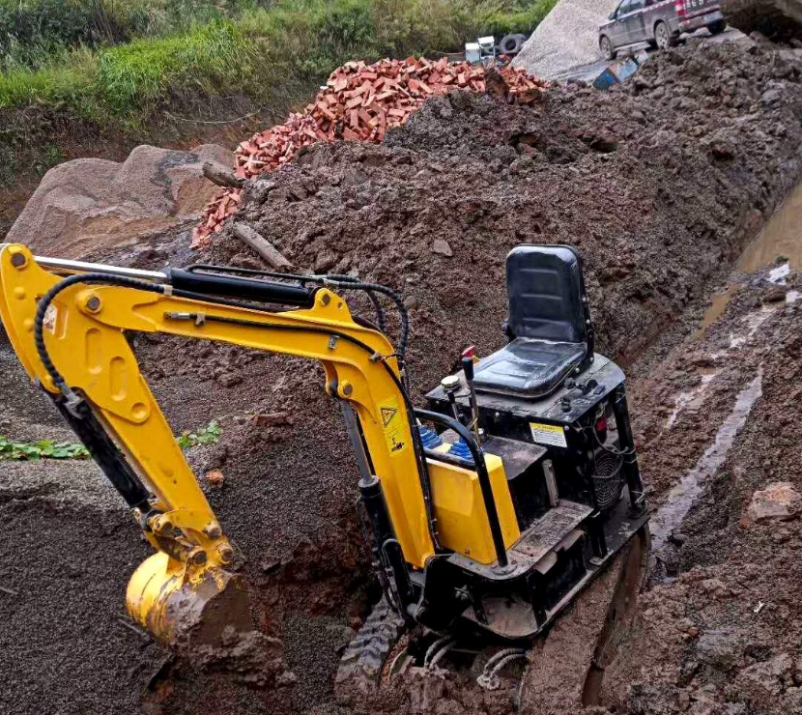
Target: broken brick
(358, 103)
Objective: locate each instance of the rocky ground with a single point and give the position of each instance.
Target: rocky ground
(660, 184)
(725, 609)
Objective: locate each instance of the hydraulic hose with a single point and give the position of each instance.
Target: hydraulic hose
(348, 282)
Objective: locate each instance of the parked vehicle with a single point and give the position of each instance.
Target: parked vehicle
(657, 22)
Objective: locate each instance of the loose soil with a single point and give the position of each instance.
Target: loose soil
(726, 615)
(660, 183)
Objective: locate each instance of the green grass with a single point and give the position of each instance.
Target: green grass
(113, 76)
(48, 449)
(32, 30)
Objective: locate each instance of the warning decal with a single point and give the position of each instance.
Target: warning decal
(393, 425)
(549, 435)
(387, 415)
(51, 315)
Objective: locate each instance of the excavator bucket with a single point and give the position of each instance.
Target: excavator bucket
(185, 611)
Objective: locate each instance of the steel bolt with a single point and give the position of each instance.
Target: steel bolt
(348, 388)
(212, 530)
(325, 299)
(226, 554)
(93, 304)
(162, 525)
(18, 260)
(197, 557)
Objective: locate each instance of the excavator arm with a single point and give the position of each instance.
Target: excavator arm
(67, 323)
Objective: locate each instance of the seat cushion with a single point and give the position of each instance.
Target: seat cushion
(547, 294)
(527, 367)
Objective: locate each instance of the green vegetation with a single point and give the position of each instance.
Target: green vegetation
(76, 71)
(45, 449)
(32, 31)
(205, 435)
(120, 62)
(48, 449)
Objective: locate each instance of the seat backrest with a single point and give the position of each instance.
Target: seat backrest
(546, 293)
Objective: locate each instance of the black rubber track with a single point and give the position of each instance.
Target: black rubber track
(361, 665)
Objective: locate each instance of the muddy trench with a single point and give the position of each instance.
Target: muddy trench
(664, 224)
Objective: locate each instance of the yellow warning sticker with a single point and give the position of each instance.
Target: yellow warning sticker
(393, 425)
(549, 435)
(51, 315)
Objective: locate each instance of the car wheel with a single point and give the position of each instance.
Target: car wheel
(606, 47)
(663, 36)
(717, 28)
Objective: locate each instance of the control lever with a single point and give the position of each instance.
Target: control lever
(450, 385)
(588, 386)
(467, 369)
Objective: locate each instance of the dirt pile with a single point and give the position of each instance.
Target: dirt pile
(567, 37)
(728, 617)
(360, 103)
(659, 183)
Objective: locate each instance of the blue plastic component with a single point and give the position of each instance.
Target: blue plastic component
(429, 437)
(461, 449)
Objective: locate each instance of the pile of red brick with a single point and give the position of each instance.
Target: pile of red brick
(360, 102)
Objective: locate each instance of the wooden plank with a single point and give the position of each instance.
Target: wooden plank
(254, 240)
(221, 175)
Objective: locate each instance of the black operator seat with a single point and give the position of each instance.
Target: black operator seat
(549, 323)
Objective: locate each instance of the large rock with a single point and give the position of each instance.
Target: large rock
(89, 204)
(567, 37)
(720, 649)
(777, 501)
(773, 18)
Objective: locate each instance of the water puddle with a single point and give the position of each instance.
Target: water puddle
(692, 399)
(718, 304)
(781, 238)
(685, 494)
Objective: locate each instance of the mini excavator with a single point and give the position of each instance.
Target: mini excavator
(489, 510)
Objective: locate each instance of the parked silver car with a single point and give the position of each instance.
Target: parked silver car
(657, 22)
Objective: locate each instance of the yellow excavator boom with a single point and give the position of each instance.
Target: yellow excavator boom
(495, 519)
(81, 324)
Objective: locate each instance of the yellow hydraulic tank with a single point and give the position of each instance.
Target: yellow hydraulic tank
(462, 523)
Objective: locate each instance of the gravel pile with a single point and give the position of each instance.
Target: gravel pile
(566, 38)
